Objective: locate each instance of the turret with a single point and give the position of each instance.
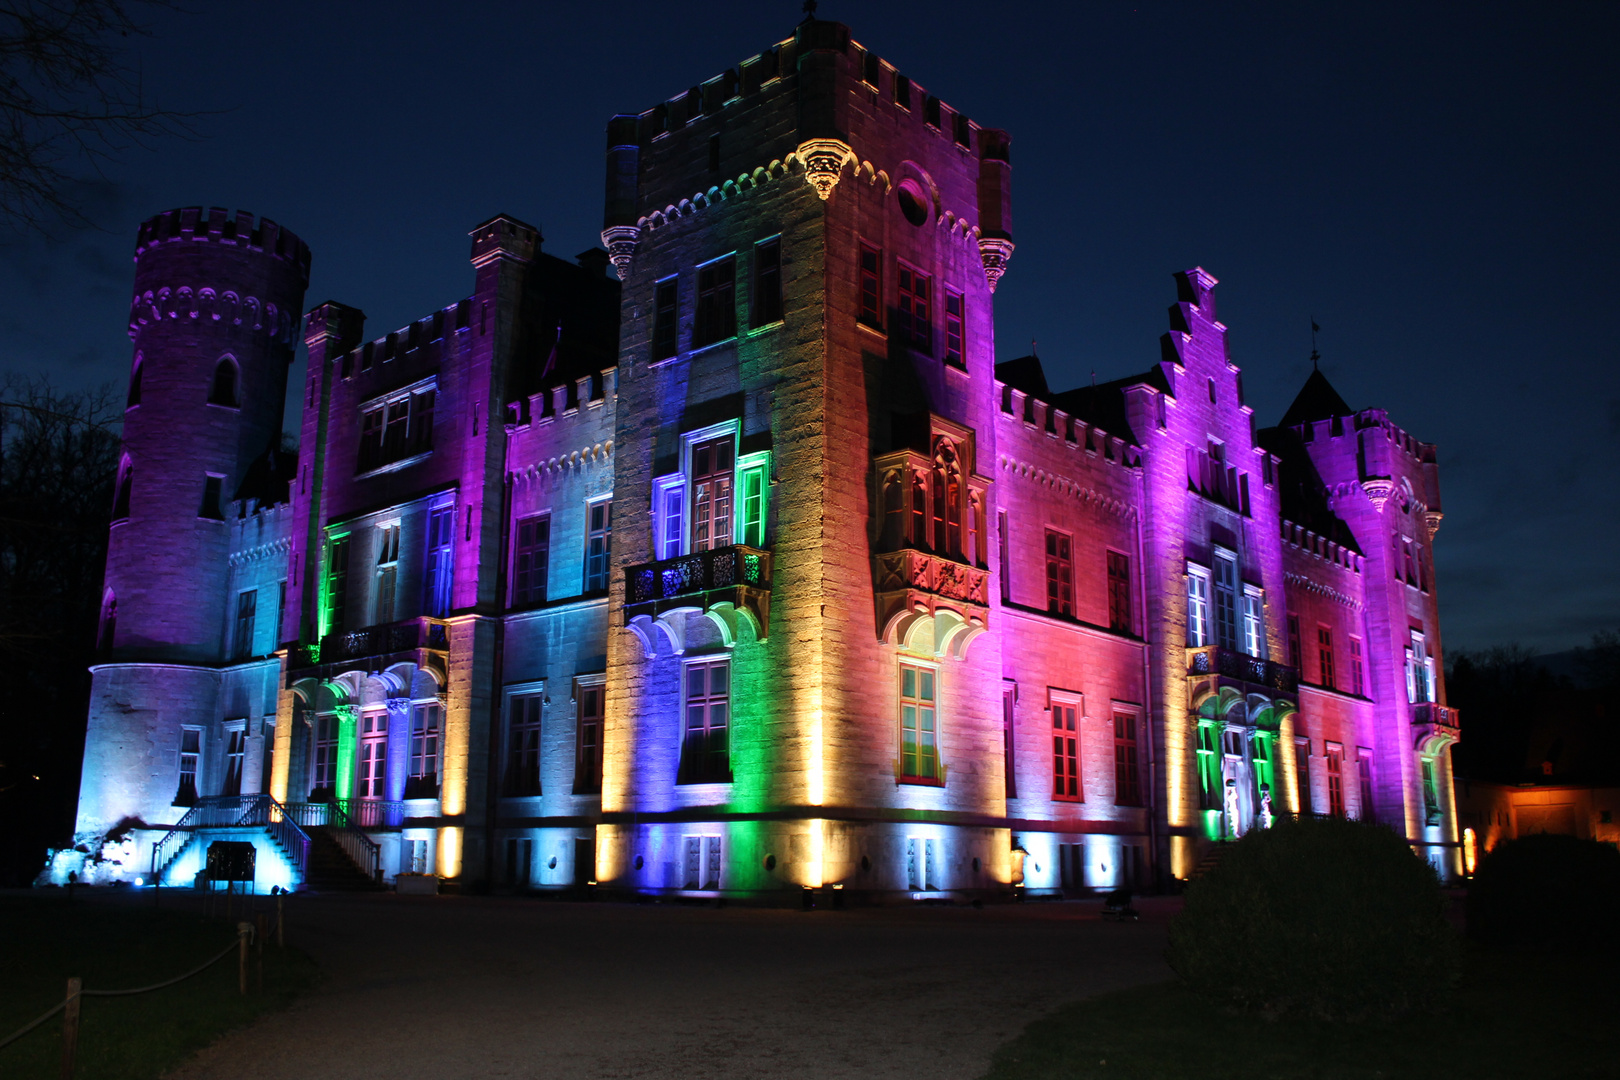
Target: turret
(213, 321)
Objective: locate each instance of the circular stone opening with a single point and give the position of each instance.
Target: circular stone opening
(913, 204)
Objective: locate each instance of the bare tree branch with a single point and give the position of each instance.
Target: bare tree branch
(69, 101)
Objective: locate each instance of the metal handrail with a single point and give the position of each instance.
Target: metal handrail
(235, 811)
(364, 852)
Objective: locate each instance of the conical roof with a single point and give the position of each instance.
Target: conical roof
(1317, 400)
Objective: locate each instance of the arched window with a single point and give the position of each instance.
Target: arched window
(134, 384)
(947, 500)
(109, 622)
(223, 392)
(126, 478)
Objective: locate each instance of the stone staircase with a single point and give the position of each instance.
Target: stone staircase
(1212, 859)
(330, 869)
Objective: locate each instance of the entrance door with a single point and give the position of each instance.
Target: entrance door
(1235, 809)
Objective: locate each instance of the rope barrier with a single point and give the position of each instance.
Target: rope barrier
(223, 953)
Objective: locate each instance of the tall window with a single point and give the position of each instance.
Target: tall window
(919, 734)
(523, 745)
(598, 544)
(235, 755)
(947, 485)
(324, 781)
(387, 572)
(1324, 656)
(1295, 657)
(1065, 750)
(1225, 601)
(955, 355)
(912, 317)
(1197, 606)
(767, 282)
(664, 319)
(267, 754)
(374, 755)
(589, 698)
(1127, 780)
(126, 478)
(281, 613)
(371, 427)
(1003, 556)
(705, 750)
(671, 519)
(1059, 573)
(1335, 775)
(1365, 775)
(1119, 592)
(423, 781)
(531, 558)
(1254, 626)
(753, 508)
(247, 606)
(872, 287)
(716, 302)
(1358, 678)
(337, 584)
(438, 580)
(213, 500)
(1419, 670)
(190, 751)
(223, 389)
(1431, 793)
(711, 493)
(1302, 775)
(1009, 713)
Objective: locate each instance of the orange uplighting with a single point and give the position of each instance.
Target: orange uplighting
(1470, 846)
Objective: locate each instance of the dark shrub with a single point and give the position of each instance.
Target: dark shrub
(1328, 917)
(1556, 892)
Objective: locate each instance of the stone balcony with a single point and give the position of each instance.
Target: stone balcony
(1434, 725)
(718, 583)
(915, 586)
(424, 641)
(1206, 660)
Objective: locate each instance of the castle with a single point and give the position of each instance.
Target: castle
(748, 572)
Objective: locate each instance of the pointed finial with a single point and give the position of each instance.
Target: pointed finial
(809, 9)
(1033, 351)
(1315, 356)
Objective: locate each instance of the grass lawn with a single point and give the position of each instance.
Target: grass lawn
(115, 943)
(1511, 1016)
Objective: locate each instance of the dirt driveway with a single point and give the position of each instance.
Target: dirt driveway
(491, 987)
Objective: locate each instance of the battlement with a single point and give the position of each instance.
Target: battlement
(875, 76)
(1339, 426)
(189, 223)
(1313, 543)
(1037, 415)
(428, 330)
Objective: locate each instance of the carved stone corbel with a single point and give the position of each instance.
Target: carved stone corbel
(1378, 489)
(996, 252)
(824, 161)
(620, 241)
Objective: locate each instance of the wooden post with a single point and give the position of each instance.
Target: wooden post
(281, 925)
(243, 932)
(259, 926)
(70, 1026)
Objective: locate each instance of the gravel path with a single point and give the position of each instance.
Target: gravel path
(490, 987)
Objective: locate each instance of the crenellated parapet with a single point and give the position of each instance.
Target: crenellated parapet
(190, 225)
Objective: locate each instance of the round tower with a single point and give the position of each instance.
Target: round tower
(214, 320)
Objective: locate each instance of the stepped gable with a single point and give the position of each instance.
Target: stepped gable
(1317, 400)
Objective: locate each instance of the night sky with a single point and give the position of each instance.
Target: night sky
(1435, 184)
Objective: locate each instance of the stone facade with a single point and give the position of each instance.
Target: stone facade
(753, 572)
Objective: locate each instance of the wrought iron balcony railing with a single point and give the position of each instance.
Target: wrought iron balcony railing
(1434, 722)
(1214, 660)
(384, 639)
(689, 575)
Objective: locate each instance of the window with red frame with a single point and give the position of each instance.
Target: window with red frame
(1059, 573)
(1119, 592)
(1324, 656)
(1335, 775)
(588, 745)
(1127, 784)
(871, 287)
(1358, 683)
(1065, 750)
(955, 353)
(913, 314)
